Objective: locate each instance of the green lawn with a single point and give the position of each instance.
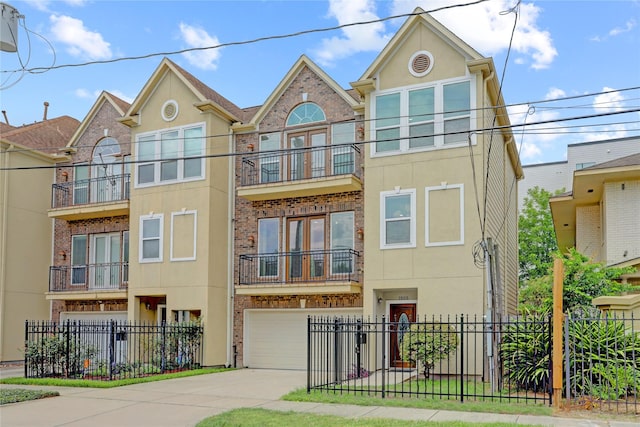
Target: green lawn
(61, 382)
(265, 418)
(425, 402)
(14, 395)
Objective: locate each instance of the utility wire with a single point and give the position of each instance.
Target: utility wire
(251, 41)
(363, 143)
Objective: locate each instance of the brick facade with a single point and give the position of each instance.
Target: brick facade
(247, 213)
(102, 124)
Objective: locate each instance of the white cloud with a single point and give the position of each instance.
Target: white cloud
(484, 28)
(629, 25)
(608, 102)
(354, 39)
(80, 41)
(43, 5)
(82, 93)
(555, 93)
(197, 37)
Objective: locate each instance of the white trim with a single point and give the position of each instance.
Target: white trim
(428, 70)
(175, 104)
(412, 225)
(160, 238)
(195, 235)
(438, 121)
(445, 186)
(156, 161)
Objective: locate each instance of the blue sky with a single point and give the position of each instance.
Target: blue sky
(560, 49)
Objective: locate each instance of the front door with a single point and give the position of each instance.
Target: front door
(400, 318)
(305, 247)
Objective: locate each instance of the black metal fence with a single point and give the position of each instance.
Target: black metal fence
(87, 277)
(456, 358)
(602, 363)
(110, 350)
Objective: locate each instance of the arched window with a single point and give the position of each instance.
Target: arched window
(105, 151)
(306, 113)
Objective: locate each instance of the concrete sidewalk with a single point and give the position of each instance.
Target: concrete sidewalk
(186, 401)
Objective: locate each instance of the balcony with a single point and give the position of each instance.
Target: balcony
(298, 273)
(301, 172)
(90, 198)
(89, 281)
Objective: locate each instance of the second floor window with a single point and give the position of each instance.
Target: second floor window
(169, 156)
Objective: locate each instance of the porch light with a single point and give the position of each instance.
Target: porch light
(252, 240)
(62, 255)
(360, 233)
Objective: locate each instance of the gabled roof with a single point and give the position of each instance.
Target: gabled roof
(419, 17)
(209, 99)
(302, 62)
(118, 104)
(47, 136)
(4, 128)
(622, 162)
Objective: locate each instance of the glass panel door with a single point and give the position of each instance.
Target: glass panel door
(296, 160)
(81, 185)
(79, 259)
(306, 244)
(318, 154)
(105, 259)
(106, 185)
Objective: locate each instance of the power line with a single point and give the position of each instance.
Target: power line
(246, 42)
(479, 109)
(372, 141)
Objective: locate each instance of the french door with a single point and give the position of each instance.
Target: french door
(309, 163)
(105, 257)
(106, 185)
(306, 259)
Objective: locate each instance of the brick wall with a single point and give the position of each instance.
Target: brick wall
(247, 213)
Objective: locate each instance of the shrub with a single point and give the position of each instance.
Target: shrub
(427, 343)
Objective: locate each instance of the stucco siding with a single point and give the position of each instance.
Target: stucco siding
(622, 210)
(588, 232)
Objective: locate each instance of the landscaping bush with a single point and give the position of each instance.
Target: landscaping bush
(424, 344)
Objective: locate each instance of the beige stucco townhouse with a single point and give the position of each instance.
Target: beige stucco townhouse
(27, 156)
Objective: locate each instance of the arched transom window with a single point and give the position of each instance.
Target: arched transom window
(306, 113)
(106, 151)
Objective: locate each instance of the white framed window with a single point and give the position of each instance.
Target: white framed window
(341, 242)
(270, 163)
(342, 153)
(444, 215)
(151, 237)
(184, 232)
(79, 244)
(398, 219)
(268, 246)
(423, 117)
(170, 155)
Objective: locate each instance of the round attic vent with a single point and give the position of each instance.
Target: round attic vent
(420, 63)
(169, 110)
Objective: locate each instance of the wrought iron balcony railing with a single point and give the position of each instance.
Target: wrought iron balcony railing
(88, 191)
(300, 163)
(337, 265)
(89, 277)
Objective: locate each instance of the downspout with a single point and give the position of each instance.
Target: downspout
(4, 205)
(230, 253)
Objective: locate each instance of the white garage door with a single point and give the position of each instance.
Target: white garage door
(277, 339)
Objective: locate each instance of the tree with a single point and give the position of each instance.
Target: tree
(583, 281)
(427, 343)
(536, 236)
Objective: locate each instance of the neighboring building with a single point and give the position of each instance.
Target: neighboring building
(90, 204)
(27, 157)
(558, 176)
(600, 216)
(298, 216)
(181, 205)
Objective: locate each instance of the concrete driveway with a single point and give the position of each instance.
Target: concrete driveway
(178, 402)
